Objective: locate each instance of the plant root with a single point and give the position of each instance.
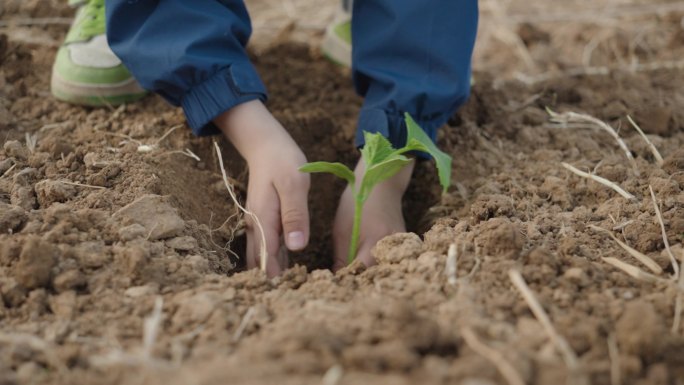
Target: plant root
(262, 249)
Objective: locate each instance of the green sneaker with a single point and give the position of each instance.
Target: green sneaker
(86, 71)
(337, 41)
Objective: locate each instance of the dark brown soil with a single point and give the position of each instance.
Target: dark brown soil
(81, 267)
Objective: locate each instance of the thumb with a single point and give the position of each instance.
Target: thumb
(294, 212)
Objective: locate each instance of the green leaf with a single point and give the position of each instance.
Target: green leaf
(376, 149)
(418, 140)
(337, 169)
(381, 172)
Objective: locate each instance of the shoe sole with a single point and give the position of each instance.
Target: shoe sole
(336, 49)
(88, 94)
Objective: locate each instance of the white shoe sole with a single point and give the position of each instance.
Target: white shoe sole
(61, 86)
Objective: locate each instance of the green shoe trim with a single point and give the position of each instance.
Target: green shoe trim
(343, 31)
(88, 22)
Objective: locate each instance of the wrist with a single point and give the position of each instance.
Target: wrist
(251, 128)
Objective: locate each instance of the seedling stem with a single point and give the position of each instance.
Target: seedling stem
(382, 162)
(356, 229)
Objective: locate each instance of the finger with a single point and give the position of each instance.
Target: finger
(364, 254)
(341, 246)
(342, 231)
(266, 209)
(293, 194)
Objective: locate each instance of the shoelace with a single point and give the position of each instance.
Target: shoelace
(93, 21)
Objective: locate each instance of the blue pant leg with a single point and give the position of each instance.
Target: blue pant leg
(411, 56)
(191, 52)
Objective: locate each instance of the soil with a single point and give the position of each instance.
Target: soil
(100, 239)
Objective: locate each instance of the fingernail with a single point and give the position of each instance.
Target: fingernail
(295, 240)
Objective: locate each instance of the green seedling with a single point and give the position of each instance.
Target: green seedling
(382, 161)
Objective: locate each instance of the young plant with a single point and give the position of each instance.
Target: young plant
(382, 162)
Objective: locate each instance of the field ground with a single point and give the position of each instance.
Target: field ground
(117, 266)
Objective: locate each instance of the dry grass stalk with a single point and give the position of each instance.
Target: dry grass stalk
(600, 180)
(673, 260)
(622, 225)
(475, 268)
(243, 324)
(597, 14)
(333, 375)
(561, 344)
(507, 370)
(116, 113)
(679, 304)
(262, 249)
(679, 301)
(185, 152)
(451, 265)
(6, 173)
(144, 357)
(654, 150)
(614, 354)
(151, 327)
(82, 185)
(31, 142)
(167, 133)
(646, 260)
(635, 272)
(594, 71)
(573, 117)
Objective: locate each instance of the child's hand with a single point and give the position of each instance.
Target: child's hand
(381, 216)
(277, 191)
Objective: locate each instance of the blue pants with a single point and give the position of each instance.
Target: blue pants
(408, 56)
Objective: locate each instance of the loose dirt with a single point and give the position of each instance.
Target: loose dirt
(119, 266)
